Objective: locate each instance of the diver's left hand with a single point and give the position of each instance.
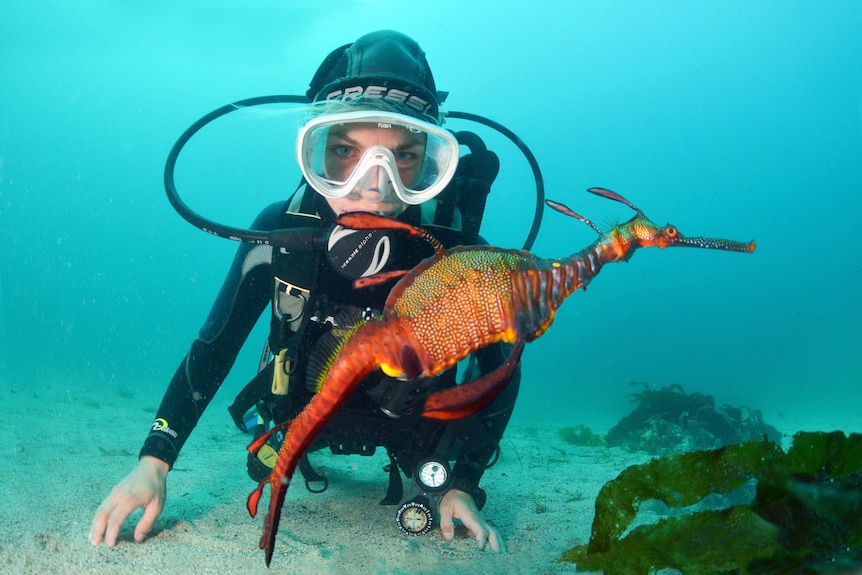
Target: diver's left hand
(457, 504)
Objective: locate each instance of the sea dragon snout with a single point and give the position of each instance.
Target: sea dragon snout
(448, 307)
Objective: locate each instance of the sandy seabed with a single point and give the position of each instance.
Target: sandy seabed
(62, 453)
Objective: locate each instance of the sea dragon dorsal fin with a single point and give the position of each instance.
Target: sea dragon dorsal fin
(345, 323)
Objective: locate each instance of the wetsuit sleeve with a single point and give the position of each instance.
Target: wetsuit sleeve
(240, 302)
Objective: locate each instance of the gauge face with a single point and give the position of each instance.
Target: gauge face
(433, 474)
(414, 518)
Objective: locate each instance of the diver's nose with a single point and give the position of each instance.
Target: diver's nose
(375, 186)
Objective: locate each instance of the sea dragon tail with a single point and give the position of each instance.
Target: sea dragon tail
(356, 360)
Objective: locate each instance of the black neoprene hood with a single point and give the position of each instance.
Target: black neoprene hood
(383, 64)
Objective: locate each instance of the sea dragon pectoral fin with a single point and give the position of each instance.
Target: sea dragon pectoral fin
(368, 221)
(466, 399)
(378, 278)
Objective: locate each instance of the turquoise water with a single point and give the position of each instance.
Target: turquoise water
(730, 119)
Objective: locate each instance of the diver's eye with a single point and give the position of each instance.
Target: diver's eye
(671, 231)
(404, 157)
(341, 151)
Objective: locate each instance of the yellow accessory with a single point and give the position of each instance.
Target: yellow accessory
(267, 455)
(280, 377)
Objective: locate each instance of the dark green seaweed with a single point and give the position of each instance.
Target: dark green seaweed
(806, 516)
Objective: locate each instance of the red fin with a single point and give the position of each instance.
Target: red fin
(468, 398)
(254, 499)
(378, 279)
(606, 193)
(258, 442)
(369, 221)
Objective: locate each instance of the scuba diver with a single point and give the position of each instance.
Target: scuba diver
(374, 143)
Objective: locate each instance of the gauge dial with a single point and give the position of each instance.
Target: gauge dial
(433, 475)
(414, 518)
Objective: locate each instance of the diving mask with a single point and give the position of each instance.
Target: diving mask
(343, 154)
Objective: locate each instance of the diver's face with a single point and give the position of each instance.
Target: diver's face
(345, 147)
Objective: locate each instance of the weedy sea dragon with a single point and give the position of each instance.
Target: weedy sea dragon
(449, 306)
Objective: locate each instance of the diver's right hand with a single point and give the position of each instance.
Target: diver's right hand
(144, 487)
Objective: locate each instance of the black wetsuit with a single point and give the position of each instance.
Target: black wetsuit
(247, 291)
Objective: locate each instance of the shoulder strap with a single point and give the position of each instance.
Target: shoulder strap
(468, 190)
(294, 273)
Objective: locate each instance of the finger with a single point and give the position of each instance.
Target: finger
(103, 514)
(496, 541)
(145, 525)
(478, 528)
(447, 522)
(97, 530)
(116, 519)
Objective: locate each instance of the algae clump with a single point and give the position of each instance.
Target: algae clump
(669, 420)
(580, 435)
(806, 516)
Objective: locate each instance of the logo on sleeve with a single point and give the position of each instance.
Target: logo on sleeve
(161, 424)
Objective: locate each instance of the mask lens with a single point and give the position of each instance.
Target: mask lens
(336, 153)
